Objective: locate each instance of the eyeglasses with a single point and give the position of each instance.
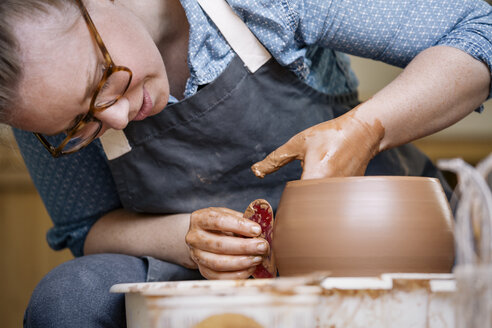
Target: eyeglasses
(113, 85)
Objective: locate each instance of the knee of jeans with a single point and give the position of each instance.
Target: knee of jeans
(76, 293)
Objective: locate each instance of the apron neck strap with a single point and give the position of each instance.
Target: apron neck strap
(237, 34)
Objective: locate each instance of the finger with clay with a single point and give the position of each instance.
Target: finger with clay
(339, 147)
(225, 245)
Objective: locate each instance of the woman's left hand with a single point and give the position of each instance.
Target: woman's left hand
(440, 86)
(339, 147)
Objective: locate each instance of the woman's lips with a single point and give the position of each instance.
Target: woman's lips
(146, 108)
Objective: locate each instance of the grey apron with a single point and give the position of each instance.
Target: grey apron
(197, 153)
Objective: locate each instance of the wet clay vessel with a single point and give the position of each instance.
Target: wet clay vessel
(363, 226)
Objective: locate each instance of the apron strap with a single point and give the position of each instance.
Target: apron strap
(115, 143)
(237, 34)
(239, 37)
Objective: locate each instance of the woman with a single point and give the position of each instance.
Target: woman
(198, 108)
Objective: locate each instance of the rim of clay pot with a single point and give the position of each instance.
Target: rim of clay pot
(391, 178)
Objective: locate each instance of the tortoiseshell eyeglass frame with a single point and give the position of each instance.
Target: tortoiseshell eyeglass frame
(110, 68)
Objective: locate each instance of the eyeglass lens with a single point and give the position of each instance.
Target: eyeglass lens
(113, 88)
(86, 134)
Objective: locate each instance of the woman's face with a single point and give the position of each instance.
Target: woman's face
(62, 65)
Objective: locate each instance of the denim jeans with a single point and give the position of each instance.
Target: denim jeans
(76, 293)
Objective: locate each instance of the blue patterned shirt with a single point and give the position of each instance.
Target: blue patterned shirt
(308, 37)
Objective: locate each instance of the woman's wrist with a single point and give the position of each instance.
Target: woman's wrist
(124, 232)
(368, 131)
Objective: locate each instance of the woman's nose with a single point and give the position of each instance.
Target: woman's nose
(116, 116)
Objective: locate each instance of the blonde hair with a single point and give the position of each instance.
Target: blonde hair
(11, 11)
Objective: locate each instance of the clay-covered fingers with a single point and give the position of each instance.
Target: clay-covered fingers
(223, 220)
(339, 147)
(215, 275)
(320, 165)
(219, 243)
(223, 244)
(291, 150)
(224, 263)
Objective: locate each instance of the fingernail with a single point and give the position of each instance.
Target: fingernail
(257, 259)
(262, 247)
(256, 229)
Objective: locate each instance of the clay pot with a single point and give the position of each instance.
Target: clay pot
(364, 226)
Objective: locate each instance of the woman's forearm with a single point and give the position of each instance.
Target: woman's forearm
(159, 236)
(438, 88)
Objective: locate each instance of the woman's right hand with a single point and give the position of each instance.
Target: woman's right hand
(225, 245)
